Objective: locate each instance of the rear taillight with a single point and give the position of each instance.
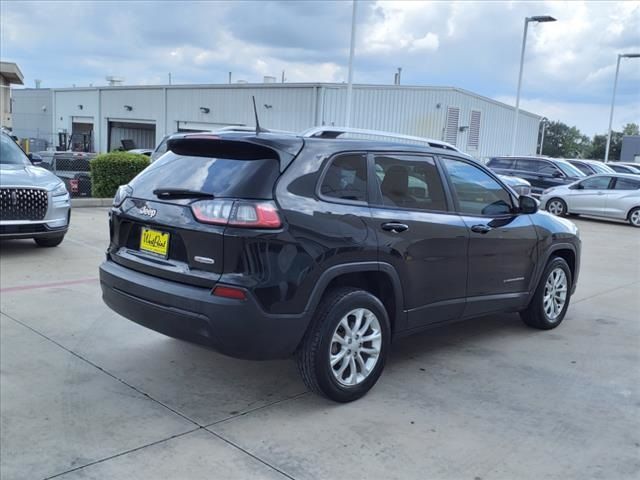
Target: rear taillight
(73, 183)
(238, 213)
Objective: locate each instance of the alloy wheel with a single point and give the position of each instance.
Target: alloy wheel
(555, 293)
(635, 218)
(556, 207)
(355, 347)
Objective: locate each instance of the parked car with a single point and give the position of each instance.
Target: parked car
(612, 196)
(629, 164)
(142, 151)
(267, 246)
(623, 168)
(73, 168)
(540, 172)
(34, 203)
(590, 167)
(519, 185)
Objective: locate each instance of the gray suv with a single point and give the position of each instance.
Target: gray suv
(34, 203)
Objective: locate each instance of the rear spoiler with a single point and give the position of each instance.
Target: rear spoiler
(237, 146)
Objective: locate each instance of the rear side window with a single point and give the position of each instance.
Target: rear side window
(346, 178)
(500, 163)
(409, 181)
(627, 184)
(476, 191)
(527, 165)
(582, 167)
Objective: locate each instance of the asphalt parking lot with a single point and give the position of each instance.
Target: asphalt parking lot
(87, 394)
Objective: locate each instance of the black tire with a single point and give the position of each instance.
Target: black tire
(313, 355)
(562, 207)
(49, 241)
(634, 217)
(535, 315)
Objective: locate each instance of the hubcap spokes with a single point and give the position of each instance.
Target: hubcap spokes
(355, 347)
(635, 217)
(556, 208)
(555, 293)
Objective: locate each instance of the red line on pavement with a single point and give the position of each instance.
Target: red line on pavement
(47, 285)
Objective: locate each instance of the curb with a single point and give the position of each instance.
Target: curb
(91, 202)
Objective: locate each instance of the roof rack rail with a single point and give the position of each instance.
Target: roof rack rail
(335, 132)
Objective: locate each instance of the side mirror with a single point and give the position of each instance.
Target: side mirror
(577, 186)
(528, 204)
(35, 159)
(557, 174)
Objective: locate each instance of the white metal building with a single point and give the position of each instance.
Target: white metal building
(145, 114)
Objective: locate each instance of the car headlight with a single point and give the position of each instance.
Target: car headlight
(123, 192)
(59, 190)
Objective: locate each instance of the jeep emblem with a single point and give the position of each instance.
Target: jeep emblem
(149, 212)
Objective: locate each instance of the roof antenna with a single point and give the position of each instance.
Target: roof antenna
(259, 129)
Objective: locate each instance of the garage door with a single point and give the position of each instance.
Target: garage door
(82, 134)
(141, 135)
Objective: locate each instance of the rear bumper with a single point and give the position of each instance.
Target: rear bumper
(238, 328)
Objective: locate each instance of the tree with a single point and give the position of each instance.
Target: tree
(599, 143)
(563, 141)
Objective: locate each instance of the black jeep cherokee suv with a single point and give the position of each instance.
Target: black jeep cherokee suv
(265, 246)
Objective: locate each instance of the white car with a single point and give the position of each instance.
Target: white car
(611, 195)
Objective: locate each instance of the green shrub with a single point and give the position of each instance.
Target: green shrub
(110, 170)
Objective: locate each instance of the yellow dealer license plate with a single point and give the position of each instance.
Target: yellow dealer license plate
(154, 241)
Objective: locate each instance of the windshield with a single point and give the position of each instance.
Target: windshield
(568, 169)
(11, 153)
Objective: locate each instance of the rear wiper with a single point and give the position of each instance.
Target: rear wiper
(180, 193)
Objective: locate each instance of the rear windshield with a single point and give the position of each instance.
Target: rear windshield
(221, 177)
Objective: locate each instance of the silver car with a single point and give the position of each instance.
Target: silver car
(34, 203)
(612, 195)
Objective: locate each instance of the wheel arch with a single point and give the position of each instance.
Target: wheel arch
(378, 278)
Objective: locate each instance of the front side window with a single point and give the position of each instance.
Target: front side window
(627, 184)
(596, 183)
(477, 192)
(346, 178)
(547, 168)
(409, 181)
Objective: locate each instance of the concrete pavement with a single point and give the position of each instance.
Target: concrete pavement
(85, 393)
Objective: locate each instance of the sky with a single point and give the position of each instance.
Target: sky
(568, 71)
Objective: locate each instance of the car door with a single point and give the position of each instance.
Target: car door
(589, 196)
(617, 202)
(419, 236)
(502, 252)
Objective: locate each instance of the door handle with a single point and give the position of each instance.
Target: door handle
(395, 227)
(481, 228)
(600, 193)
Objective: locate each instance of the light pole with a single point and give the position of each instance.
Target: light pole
(613, 99)
(347, 122)
(537, 19)
(544, 122)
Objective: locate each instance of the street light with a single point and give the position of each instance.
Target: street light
(537, 19)
(613, 100)
(544, 122)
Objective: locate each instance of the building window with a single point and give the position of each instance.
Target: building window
(473, 141)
